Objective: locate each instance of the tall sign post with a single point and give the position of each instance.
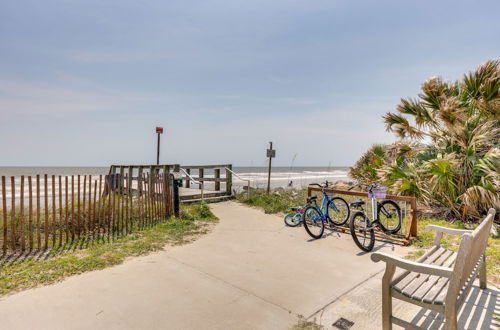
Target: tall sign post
(271, 153)
(159, 130)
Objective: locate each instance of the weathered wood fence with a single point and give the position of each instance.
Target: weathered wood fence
(41, 212)
(214, 184)
(407, 204)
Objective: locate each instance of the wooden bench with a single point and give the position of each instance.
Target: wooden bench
(439, 280)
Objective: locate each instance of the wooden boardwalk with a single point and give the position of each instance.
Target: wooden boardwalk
(194, 195)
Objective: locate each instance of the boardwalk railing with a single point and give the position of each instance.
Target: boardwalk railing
(208, 178)
(407, 204)
(41, 212)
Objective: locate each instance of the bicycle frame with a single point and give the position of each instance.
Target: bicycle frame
(375, 206)
(323, 210)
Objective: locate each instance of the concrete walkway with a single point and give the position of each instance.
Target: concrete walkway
(251, 272)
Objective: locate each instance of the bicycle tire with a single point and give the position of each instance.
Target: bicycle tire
(309, 212)
(293, 220)
(368, 235)
(343, 211)
(389, 229)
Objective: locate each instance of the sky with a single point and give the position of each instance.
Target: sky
(85, 83)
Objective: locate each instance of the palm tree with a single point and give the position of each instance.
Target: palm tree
(458, 124)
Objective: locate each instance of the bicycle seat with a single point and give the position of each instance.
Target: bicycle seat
(295, 209)
(357, 203)
(312, 198)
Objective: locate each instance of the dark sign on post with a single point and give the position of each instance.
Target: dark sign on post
(271, 153)
(159, 130)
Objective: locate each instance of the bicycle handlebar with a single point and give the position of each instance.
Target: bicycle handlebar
(317, 184)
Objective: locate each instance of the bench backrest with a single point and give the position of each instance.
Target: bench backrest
(472, 248)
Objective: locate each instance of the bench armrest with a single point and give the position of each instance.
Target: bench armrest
(412, 265)
(445, 230)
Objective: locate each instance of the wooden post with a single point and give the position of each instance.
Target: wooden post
(165, 190)
(13, 213)
(153, 197)
(60, 212)
(30, 212)
(127, 211)
(94, 205)
(72, 208)
(150, 198)
(413, 226)
(113, 209)
(66, 211)
(90, 219)
(269, 170)
(46, 220)
(84, 218)
(21, 214)
(54, 211)
(188, 180)
(386, 297)
(4, 214)
(118, 202)
(229, 180)
(158, 150)
(200, 178)
(38, 238)
(217, 177)
(99, 206)
(122, 213)
(140, 199)
(108, 211)
(129, 198)
(78, 220)
(150, 201)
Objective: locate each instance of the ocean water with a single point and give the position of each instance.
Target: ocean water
(296, 177)
(283, 176)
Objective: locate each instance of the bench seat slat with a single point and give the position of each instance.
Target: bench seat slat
(422, 291)
(421, 279)
(404, 281)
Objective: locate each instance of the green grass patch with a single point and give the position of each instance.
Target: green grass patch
(303, 324)
(32, 271)
(279, 200)
(425, 240)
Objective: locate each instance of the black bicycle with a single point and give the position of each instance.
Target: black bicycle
(387, 217)
(334, 210)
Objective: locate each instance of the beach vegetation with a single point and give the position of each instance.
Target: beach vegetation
(280, 200)
(448, 152)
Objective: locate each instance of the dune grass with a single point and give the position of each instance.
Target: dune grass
(32, 271)
(278, 201)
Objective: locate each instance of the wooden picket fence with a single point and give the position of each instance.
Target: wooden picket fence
(42, 212)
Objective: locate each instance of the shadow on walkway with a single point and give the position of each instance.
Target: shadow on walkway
(481, 310)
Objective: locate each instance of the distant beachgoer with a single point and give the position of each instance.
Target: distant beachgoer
(290, 183)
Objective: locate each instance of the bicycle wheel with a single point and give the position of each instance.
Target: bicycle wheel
(338, 211)
(293, 220)
(313, 222)
(363, 236)
(389, 216)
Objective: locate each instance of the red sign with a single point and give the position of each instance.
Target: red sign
(159, 130)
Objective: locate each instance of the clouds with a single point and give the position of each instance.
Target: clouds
(28, 98)
(223, 77)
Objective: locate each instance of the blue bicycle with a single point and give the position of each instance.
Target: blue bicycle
(334, 210)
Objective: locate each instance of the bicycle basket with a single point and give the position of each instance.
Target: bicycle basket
(377, 191)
